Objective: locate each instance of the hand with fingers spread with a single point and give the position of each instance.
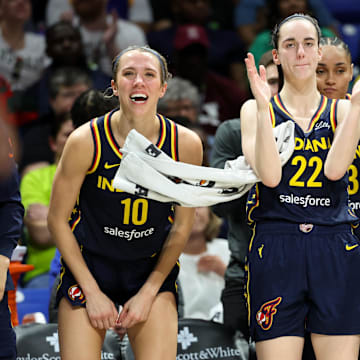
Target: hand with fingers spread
(258, 83)
(135, 310)
(101, 311)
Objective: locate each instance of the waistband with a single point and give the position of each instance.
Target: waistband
(304, 228)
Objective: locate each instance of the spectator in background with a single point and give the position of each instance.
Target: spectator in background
(225, 49)
(35, 190)
(65, 48)
(136, 11)
(279, 10)
(250, 17)
(221, 96)
(65, 85)
(182, 98)
(104, 35)
(22, 58)
(22, 53)
(11, 219)
(202, 267)
(227, 146)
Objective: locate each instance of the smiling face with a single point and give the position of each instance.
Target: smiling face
(298, 51)
(334, 72)
(138, 82)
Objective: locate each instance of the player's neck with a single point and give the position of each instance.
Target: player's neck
(122, 123)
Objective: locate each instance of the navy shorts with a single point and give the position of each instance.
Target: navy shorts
(119, 280)
(303, 278)
(7, 333)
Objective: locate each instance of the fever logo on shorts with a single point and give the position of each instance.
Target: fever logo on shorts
(75, 293)
(265, 315)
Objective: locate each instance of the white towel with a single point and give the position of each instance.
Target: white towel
(147, 171)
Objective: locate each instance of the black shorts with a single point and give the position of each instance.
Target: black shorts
(119, 280)
(303, 278)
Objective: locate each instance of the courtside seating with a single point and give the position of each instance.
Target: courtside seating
(40, 341)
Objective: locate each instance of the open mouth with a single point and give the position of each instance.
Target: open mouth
(138, 98)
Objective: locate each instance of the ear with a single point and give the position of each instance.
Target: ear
(319, 53)
(275, 57)
(351, 70)
(114, 88)
(52, 144)
(163, 90)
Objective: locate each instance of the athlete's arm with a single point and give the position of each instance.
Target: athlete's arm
(346, 138)
(258, 142)
(138, 307)
(75, 161)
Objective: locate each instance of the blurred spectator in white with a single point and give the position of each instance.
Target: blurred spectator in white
(22, 53)
(137, 11)
(202, 267)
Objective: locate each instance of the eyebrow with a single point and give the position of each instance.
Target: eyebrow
(293, 39)
(337, 64)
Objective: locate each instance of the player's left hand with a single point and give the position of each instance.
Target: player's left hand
(135, 310)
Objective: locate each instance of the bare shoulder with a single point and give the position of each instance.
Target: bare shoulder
(190, 146)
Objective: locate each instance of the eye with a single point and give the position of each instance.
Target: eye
(320, 71)
(128, 73)
(289, 45)
(341, 71)
(309, 44)
(149, 74)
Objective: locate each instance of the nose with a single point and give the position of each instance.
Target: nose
(138, 79)
(300, 51)
(330, 78)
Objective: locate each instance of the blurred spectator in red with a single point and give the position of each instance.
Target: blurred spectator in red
(226, 51)
(221, 97)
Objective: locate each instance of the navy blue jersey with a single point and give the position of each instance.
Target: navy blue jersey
(354, 179)
(113, 223)
(304, 194)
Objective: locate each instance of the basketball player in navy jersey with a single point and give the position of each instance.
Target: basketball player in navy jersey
(119, 247)
(334, 74)
(11, 221)
(303, 260)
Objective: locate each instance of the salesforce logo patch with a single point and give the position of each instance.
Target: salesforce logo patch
(305, 201)
(128, 235)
